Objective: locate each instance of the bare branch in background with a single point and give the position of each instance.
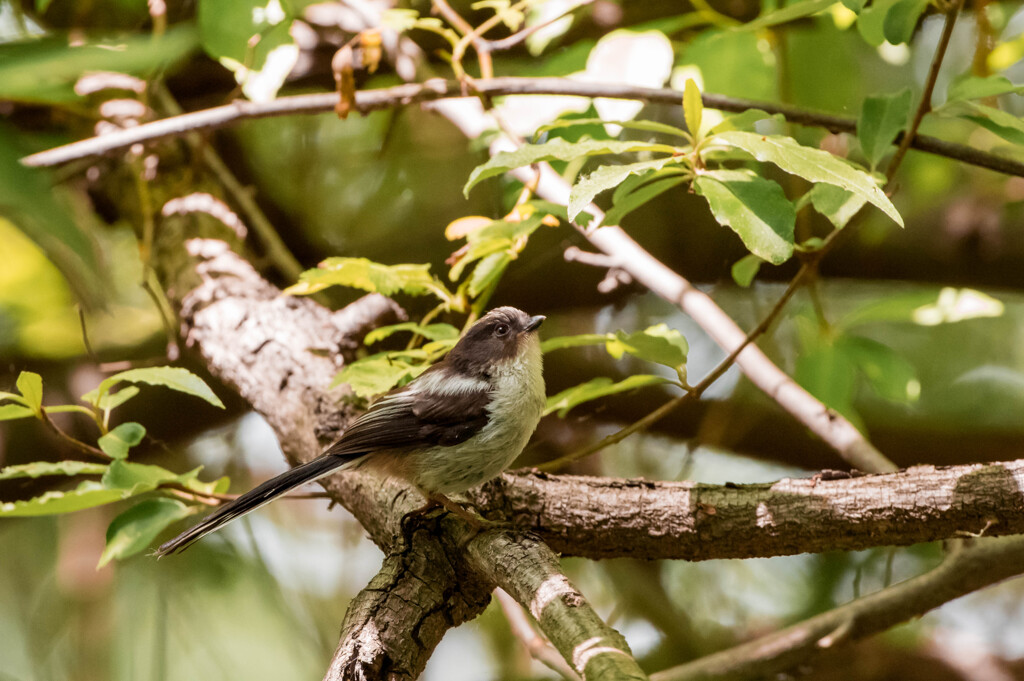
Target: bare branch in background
(401, 95)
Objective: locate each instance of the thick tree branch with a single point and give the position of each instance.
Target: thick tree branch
(966, 569)
(278, 353)
(371, 100)
(612, 517)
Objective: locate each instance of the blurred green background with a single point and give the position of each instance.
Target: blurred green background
(264, 599)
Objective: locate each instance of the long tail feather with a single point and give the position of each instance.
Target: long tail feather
(256, 497)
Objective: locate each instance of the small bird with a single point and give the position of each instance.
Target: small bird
(457, 425)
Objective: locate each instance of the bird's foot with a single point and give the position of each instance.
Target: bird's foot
(417, 518)
(467, 513)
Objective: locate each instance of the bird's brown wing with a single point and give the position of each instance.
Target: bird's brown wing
(415, 418)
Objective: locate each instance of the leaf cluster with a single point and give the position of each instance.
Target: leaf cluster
(168, 496)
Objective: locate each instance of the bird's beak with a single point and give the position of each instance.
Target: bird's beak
(535, 322)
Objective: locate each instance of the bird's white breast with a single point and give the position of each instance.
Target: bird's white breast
(517, 401)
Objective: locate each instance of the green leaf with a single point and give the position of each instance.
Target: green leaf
(901, 19)
(488, 272)
(557, 150)
(192, 481)
(813, 165)
(113, 400)
(830, 374)
(745, 269)
(882, 118)
(926, 308)
(693, 107)
(121, 480)
(430, 331)
(564, 401)
(633, 200)
(657, 343)
(647, 126)
(118, 441)
(888, 373)
(501, 237)
(871, 21)
(14, 411)
(797, 10)
(377, 374)
(367, 275)
(838, 205)
(744, 121)
(38, 469)
(898, 308)
(30, 385)
(88, 494)
(577, 341)
(136, 478)
(855, 6)
(755, 208)
(606, 177)
(974, 87)
(133, 530)
(174, 378)
(996, 121)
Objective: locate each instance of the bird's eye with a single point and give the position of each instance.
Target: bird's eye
(501, 330)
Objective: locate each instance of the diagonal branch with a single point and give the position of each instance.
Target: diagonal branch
(966, 569)
(402, 95)
(529, 572)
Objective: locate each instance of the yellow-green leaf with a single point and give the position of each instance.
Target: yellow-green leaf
(811, 164)
(755, 208)
(693, 107)
(40, 468)
(658, 344)
(430, 331)
(595, 388)
(118, 441)
(377, 374)
(174, 378)
(30, 385)
(133, 530)
(374, 277)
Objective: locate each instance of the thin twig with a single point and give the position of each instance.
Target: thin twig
(925, 105)
(84, 448)
(483, 51)
(473, 36)
(401, 95)
(693, 394)
(520, 36)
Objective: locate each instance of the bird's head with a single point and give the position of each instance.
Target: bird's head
(501, 335)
